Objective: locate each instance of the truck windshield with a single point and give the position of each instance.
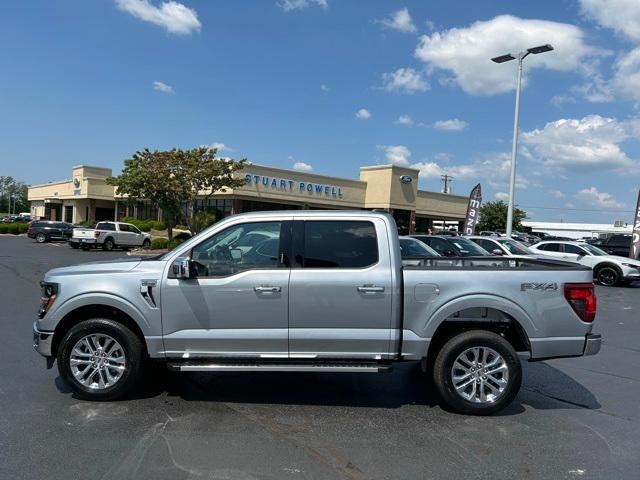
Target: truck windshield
(515, 247)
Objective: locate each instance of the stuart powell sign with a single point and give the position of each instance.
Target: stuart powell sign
(635, 243)
(473, 210)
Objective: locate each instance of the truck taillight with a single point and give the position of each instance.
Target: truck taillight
(582, 298)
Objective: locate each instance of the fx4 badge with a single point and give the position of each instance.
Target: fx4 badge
(541, 287)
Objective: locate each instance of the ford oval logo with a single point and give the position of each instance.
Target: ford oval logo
(406, 179)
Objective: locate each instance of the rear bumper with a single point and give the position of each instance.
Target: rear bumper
(82, 241)
(42, 342)
(559, 347)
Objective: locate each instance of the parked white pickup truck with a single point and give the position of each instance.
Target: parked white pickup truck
(110, 235)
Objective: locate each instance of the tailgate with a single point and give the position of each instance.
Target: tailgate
(81, 233)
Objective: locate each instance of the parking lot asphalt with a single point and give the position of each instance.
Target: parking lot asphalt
(574, 418)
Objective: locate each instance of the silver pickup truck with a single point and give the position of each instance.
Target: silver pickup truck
(109, 235)
(314, 291)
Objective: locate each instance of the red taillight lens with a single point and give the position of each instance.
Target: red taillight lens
(582, 298)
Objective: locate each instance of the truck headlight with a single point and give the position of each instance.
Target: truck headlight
(48, 296)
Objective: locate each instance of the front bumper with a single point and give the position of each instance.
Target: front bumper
(42, 342)
(592, 344)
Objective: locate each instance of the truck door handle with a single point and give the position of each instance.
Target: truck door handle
(370, 289)
(267, 288)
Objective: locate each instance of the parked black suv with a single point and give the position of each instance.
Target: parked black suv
(46, 230)
(452, 246)
(617, 245)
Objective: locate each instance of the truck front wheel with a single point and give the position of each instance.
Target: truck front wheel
(100, 359)
(477, 373)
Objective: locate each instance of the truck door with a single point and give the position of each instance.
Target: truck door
(340, 292)
(235, 305)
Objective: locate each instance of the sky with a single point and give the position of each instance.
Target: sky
(331, 85)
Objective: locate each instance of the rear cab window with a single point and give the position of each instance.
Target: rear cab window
(338, 244)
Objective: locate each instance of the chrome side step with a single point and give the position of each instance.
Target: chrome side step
(278, 367)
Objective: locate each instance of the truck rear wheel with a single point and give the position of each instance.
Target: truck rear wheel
(100, 359)
(108, 244)
(477, 373)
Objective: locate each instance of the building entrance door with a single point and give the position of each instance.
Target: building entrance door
(68, 213)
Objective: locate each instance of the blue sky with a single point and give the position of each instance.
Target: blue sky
(331, 85)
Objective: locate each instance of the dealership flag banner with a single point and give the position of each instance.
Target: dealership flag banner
(635, 243)
(473, 210)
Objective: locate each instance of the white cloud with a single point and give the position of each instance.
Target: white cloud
(556, 193)
(173, 16)
(400, 21)
(623, 16)
(305, 167)
(221, 147)
(404, 120)
(404, 80)
(363, 114)
(592, 142)
(452, 125)
(626, 78)
(162, 87)
(289, 5)
(324, 88)
(465, 53)
(398, 154)
(504, 196)
(593, 197)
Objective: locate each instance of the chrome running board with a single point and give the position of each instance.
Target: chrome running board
(205, 366)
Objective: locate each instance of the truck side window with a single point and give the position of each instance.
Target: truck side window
(339, 244)
(106, 226)
(247, 246)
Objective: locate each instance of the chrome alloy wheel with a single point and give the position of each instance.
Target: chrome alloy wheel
(480, 375)
(97, 361)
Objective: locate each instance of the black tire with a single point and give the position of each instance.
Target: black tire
(75, 246)
(607, 275)
(108, 244)
(146, 244)
(86, 248)
(41, 237)
(443, 366)
(131, 346)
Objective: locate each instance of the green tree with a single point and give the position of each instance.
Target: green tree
(172, 180)
(493, 216)
(13, 195)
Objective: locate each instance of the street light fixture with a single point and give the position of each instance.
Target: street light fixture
(514, 148)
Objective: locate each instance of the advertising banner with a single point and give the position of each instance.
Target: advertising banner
(635, 242)
(473, 210)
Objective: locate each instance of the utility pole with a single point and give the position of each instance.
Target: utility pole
(446, 179)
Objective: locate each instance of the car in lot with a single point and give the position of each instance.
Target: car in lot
(452, 246)
(608, 270)
(413, 250)
(616, 245)
(501, 245)
(329, 293)
(46, 230)
(109, 235)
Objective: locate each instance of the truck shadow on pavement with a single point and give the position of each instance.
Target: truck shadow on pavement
(544, 387)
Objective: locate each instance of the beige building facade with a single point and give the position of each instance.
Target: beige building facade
(87, 197)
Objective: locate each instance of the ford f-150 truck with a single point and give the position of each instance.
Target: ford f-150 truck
(314, 291)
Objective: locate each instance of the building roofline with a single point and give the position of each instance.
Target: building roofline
(389, 165)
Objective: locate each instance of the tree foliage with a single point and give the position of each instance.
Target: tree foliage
(172, 180)
(13, 194)
(493, 216)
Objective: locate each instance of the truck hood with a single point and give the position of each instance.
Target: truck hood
(122, 265)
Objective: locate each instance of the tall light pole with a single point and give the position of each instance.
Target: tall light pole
(514, 147)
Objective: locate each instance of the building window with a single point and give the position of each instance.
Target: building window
(145, 210)
(221, 208)
(254, 206)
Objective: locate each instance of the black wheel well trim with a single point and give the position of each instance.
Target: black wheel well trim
(510, 329)
(87, 312)
(602, 265)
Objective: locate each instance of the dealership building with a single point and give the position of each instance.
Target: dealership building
(86, 197)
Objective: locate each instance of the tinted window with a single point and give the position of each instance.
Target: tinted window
(125, 228)
(440, 246)
(550, 247)
(573, 249)
(339, 244)
(466, 248)
(106, 226)
(620, 240)
(488, 245)
(515, 247)
(229, 252)
(414, 248)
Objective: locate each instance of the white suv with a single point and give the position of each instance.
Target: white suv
(608, 270)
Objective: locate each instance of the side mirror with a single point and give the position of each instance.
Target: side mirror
(181, 268)
(449, 253)
(236, 254)
(497, 251)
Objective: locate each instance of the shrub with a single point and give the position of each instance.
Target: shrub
(158, 225)
(12, 228)
(182, 236)
(181, 227)
(144, 226)
(23, 227)
(159, 243)
(174, 243)
(4, 228)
